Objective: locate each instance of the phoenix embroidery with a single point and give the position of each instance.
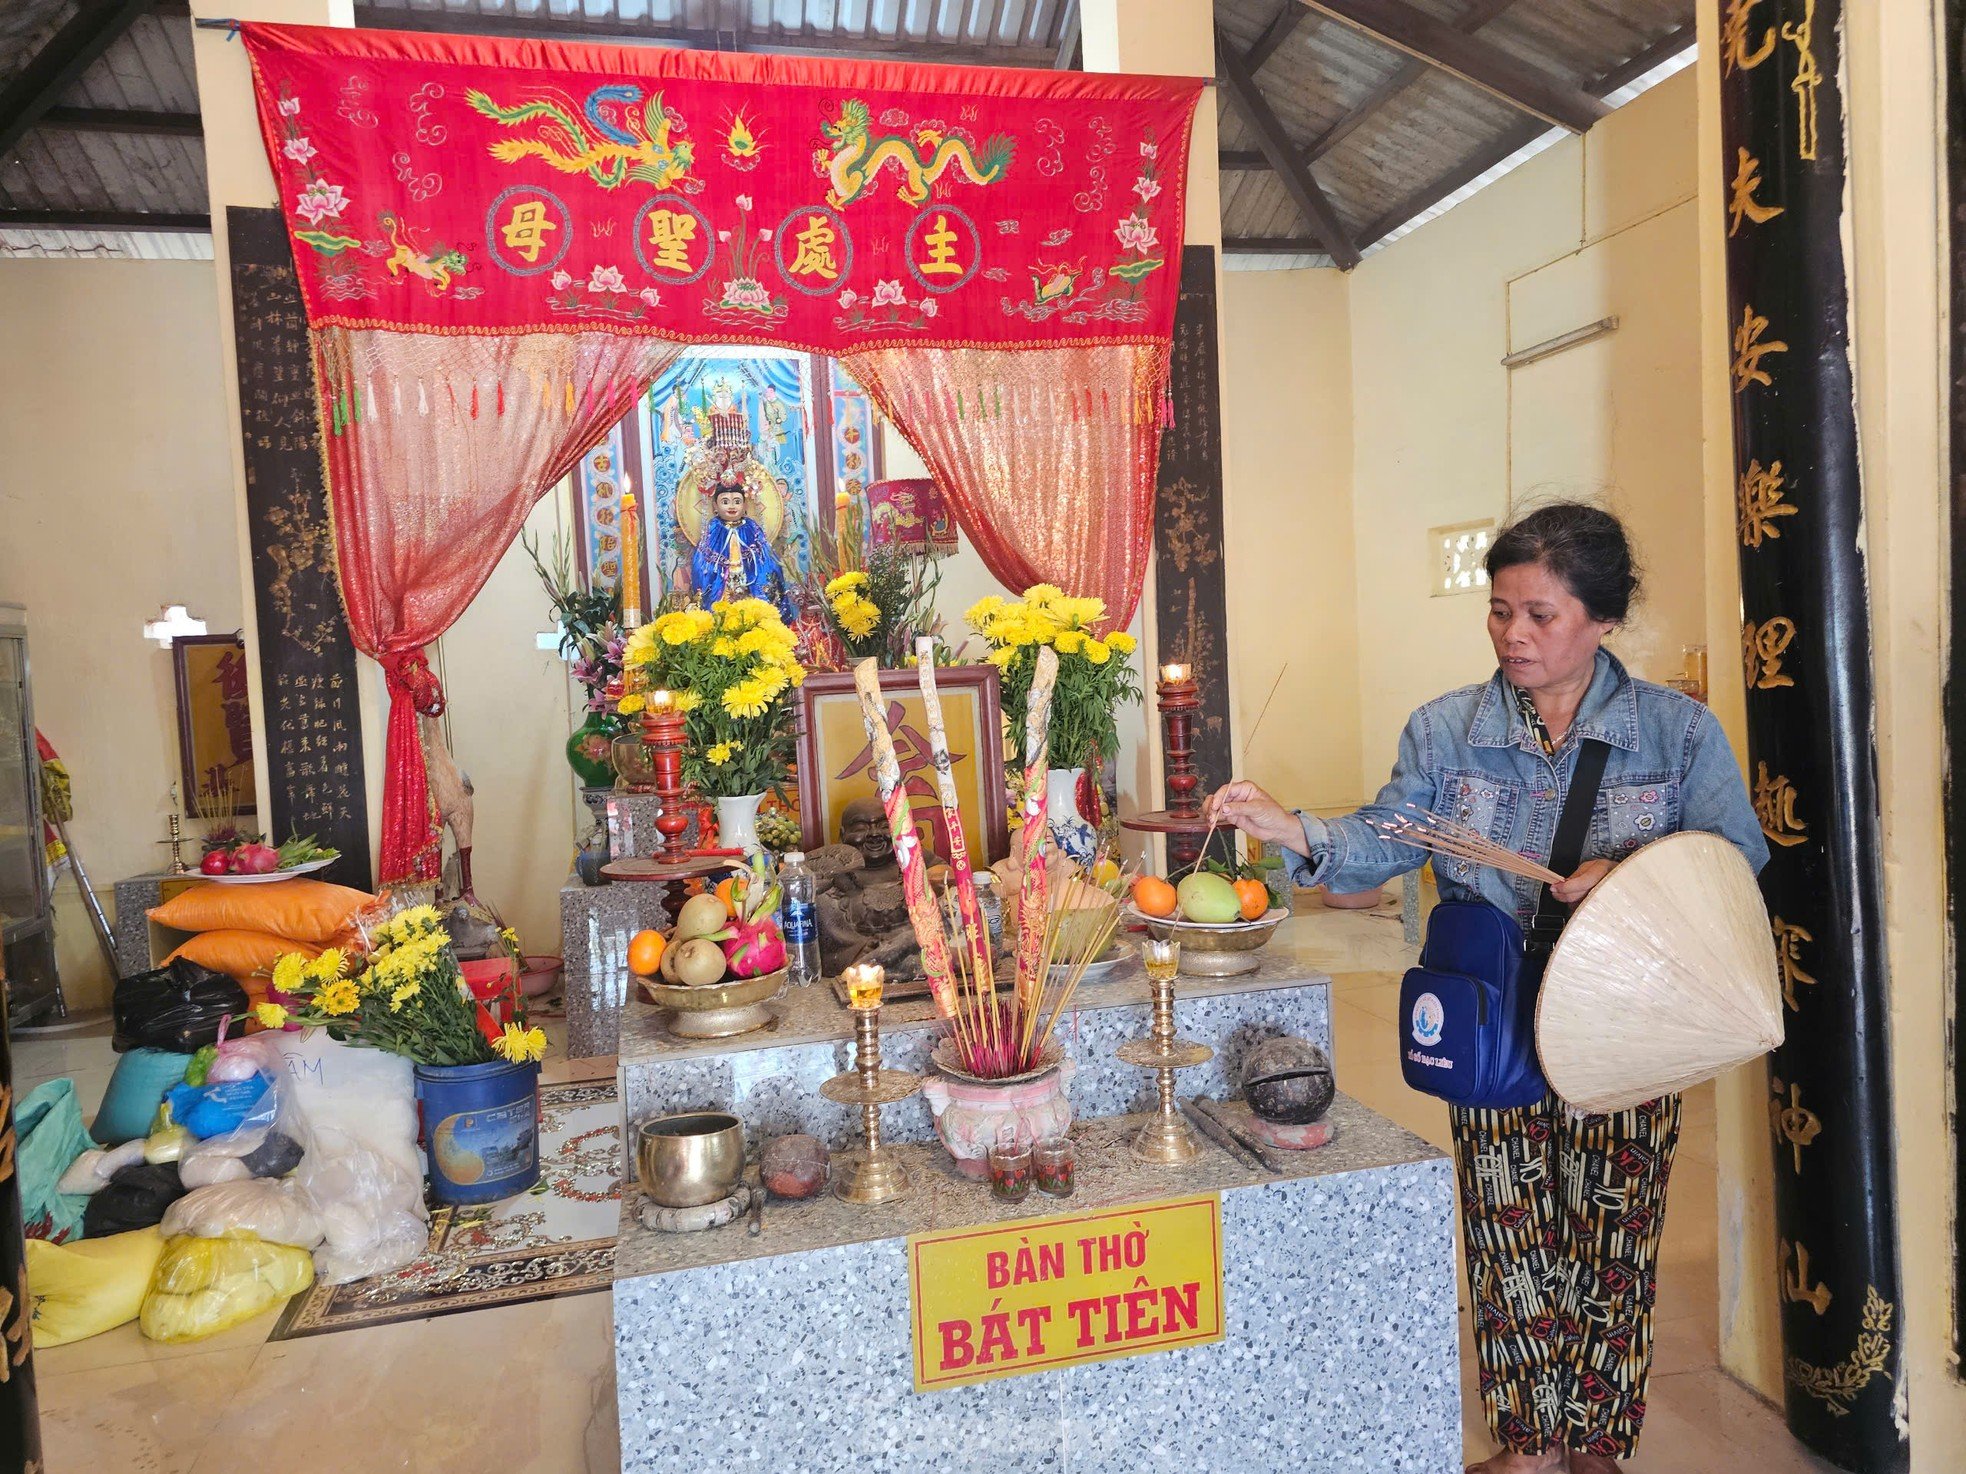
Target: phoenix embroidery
(609, 138)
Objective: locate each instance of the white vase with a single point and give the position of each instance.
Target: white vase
(737, 823)
(1071, 831)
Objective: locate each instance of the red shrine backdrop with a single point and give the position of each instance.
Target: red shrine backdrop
(500, 243)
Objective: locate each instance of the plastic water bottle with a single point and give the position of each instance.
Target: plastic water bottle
(801, 922)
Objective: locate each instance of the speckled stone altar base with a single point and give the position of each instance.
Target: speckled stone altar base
(596, 922)
(791, 1351)
(771, 1078)
(131, 928)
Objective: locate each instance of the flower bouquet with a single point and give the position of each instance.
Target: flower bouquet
(732, 669)
(1095, 672)
(408, 997)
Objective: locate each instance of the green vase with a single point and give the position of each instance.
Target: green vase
(587, 752)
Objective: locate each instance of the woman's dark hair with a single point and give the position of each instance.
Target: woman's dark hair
(1583, 545)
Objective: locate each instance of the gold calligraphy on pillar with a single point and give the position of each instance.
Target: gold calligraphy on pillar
(1741, 203)
(1795, 1124)
(1760, 502)
(1807, 79)
(1788, 958)
(1774, 806)
(1838, 1387)
(1749, 350)
(1735, 55)
(1796, 1288)
(1761, 652)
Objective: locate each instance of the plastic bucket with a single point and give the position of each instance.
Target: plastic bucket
(480, 1129)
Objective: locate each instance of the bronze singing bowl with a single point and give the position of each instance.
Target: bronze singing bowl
(690, 1160)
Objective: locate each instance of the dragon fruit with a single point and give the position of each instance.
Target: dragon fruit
(754, 948)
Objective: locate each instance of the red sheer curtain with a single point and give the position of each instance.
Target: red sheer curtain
(1048, 455)
(437, 446)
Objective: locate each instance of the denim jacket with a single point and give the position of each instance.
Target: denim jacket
(1470, 756)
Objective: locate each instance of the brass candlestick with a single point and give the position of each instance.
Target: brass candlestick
(1167, 1139)
(874, 1175)
(176, 841)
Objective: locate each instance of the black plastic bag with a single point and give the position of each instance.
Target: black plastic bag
(178, 1008)
(136, 1197)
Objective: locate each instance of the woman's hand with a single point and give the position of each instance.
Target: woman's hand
(1582, 882)
(1248, 808)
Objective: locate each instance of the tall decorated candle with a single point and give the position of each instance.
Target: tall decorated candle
(631, 559)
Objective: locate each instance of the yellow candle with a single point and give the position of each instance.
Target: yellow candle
(864, 983)
(631, 559)
(1173, 673)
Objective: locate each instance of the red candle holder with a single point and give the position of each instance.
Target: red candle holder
(1179, 697)
(662, 733)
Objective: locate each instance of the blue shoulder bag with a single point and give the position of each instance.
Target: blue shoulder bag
(1468, 1011)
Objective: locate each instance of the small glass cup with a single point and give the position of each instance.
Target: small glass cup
(1057, 1166)
(1010, 1170)
(1162, 958)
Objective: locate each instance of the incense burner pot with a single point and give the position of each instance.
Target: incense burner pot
(970, 1112)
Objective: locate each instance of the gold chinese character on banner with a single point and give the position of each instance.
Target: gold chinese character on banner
(1741, 204)
(525, 229)
(671, 233)
(1761, 651)
(1749, 350)
(815, 250)
(1774, 806)
(941, 250)
(1760, 503)
(1788, 958)
(1795, 1124)
(1807, 79)
(1796, 1288)
(1734, 53)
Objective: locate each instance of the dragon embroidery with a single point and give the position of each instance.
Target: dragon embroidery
(608, 138)
(854, 158)
(437, 267)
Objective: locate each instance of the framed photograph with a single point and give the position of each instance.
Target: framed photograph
(836, 761)
(214, 725)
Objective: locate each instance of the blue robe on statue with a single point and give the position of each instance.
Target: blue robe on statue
(764, 575)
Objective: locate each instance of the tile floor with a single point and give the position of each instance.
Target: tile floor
(530, 1389)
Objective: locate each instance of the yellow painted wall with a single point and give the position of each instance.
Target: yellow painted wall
(113, 502)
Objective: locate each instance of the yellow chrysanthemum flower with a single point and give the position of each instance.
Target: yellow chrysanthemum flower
(1003, 657)
(745, 700)
(1009, 628)
(844, 582)
(631, 704)
(1122, 643)
(1069, 642)
(521, 1046)
(1079, 611)
(270, 1015)
(327, 967)
(1042, 627)
(404, 994)
(1043, 593)
(724, 648)
(290, 973)
(640, 647)
(1098, 652)
(858, 616)
(688, 701)
(338, 998)
(982, 612)
(723, 752)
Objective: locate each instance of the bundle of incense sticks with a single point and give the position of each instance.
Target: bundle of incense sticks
(1425, 830)
(922, 911)
(975, 935)
(1033, 897)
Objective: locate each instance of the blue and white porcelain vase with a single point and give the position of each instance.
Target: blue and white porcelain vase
(1071, 831)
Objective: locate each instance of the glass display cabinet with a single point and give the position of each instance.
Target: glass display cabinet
(27, 926)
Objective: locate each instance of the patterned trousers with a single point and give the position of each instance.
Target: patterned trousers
(1562, 1216)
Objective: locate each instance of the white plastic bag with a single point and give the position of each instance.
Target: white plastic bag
(278, 1210)
(362, 1169)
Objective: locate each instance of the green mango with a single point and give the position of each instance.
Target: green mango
(1209, 899)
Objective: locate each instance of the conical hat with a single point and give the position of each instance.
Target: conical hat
(1663, 978)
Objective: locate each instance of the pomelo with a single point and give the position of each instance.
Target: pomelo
(1208, 899)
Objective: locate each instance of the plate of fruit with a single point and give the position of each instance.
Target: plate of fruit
(717, 966)
(234, 858)
(1221, 924)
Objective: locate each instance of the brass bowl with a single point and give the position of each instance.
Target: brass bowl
(1210, 950)
(690, 1160)
(718, 1011)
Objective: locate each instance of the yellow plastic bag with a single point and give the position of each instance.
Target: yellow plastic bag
(90, 1286)
(204, 1286)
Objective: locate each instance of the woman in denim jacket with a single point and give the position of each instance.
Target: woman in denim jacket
(1561, 1214)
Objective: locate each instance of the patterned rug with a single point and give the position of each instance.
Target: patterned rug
(557, 1239)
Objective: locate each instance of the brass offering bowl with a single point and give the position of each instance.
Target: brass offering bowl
(736, 1006)
(690, 1160)
(1212, 950)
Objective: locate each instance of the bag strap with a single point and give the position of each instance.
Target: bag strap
(1571, 828)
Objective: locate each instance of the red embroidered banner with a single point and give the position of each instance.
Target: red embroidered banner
(466, 185)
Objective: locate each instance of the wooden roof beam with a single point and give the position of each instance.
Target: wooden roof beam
(124, 120)
(101, 220)
(1278, 31)
(53, 69)
(1396, 24)
(1233, 73)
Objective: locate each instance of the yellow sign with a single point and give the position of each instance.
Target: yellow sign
(1052, 1292)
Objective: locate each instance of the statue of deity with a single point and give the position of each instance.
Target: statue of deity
(734, 558)
(862, 913)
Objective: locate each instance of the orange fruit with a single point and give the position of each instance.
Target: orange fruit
(727, 892)
(1154, 896)
(645, 951)
(1255, 898)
